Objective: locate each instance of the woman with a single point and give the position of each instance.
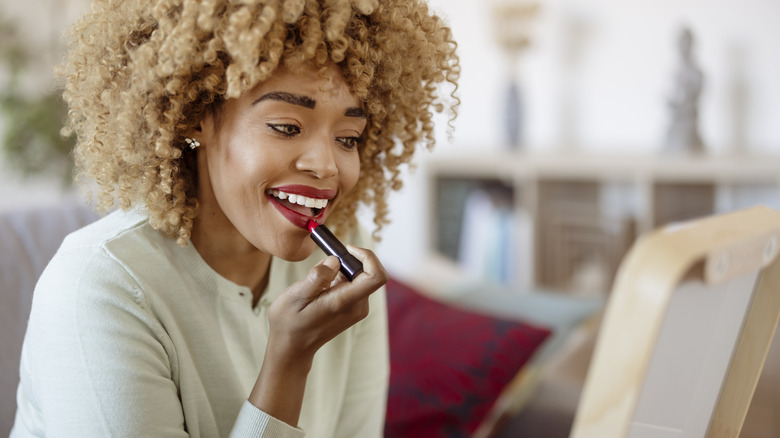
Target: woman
(221, 129)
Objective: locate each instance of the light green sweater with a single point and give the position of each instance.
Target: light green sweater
(132, 335)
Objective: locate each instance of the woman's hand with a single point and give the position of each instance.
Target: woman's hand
(314, 310)
(302, 319)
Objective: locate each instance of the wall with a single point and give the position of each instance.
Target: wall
(617, 59)
(595, 78)
(40, 24)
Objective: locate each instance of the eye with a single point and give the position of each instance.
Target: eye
(285, 129)
(349, 142)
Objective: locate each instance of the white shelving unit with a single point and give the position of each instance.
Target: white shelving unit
(575, 215)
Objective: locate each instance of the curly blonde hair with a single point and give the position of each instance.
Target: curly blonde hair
(141, 73)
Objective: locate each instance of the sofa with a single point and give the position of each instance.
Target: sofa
(28, 239)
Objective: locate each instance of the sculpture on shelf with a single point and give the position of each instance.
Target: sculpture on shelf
(511, 20)
(683, 134)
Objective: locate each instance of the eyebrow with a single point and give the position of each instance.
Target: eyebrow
(295, 99)
(306, 102)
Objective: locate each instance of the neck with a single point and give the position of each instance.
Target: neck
(228, 253)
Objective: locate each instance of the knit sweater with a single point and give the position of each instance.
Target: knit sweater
(133, 335)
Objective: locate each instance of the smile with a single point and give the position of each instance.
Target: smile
(301, 200)
(299, 204)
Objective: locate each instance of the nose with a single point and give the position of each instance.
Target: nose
(318, 159)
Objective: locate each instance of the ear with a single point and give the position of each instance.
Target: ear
(206, 128)
(204, 132)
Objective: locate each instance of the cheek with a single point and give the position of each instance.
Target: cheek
(350, 172)
(230, 167)
(245, 162)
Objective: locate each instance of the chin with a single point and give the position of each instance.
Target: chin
(296, 254)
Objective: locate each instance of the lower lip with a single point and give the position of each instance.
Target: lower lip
(294, 217)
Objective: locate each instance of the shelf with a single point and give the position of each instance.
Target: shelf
(728, 168)
(574, 216)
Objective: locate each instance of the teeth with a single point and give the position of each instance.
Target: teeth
(300, 200)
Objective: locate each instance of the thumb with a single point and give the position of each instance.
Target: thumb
(317, 281)
(320, 277)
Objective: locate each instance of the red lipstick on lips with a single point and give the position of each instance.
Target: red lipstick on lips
(350, 265)
(295, 217)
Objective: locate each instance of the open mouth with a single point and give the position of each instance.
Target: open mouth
(303, 205)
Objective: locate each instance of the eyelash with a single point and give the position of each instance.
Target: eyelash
(349, 142)
(290, 130)
(285, 129)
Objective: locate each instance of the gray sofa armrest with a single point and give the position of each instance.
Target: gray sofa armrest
(28, 240)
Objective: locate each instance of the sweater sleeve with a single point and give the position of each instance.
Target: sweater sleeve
(95, 361)
(253, 422)
(98, 363)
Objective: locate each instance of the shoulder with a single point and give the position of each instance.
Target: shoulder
(107, 255)
(106, 229)
(123, 235)
(85, 250)
(98, 281)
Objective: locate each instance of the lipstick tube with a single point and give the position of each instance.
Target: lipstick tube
(350, 265)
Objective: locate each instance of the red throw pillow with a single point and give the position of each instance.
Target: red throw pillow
(447, 365)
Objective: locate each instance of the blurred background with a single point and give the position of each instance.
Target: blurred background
(582, 125)
(594, 81)
(559, 78)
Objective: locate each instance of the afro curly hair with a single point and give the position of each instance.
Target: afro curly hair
(140, 73)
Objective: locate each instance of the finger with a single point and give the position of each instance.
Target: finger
(371, 265)
(318, 279)
(340, 278)
(344, 294)
(347, 299)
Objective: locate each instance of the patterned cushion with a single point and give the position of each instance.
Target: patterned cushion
(448, 365)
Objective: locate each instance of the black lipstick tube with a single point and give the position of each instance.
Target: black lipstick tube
(350, 265)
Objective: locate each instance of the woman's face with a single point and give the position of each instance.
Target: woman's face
(281, 154)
